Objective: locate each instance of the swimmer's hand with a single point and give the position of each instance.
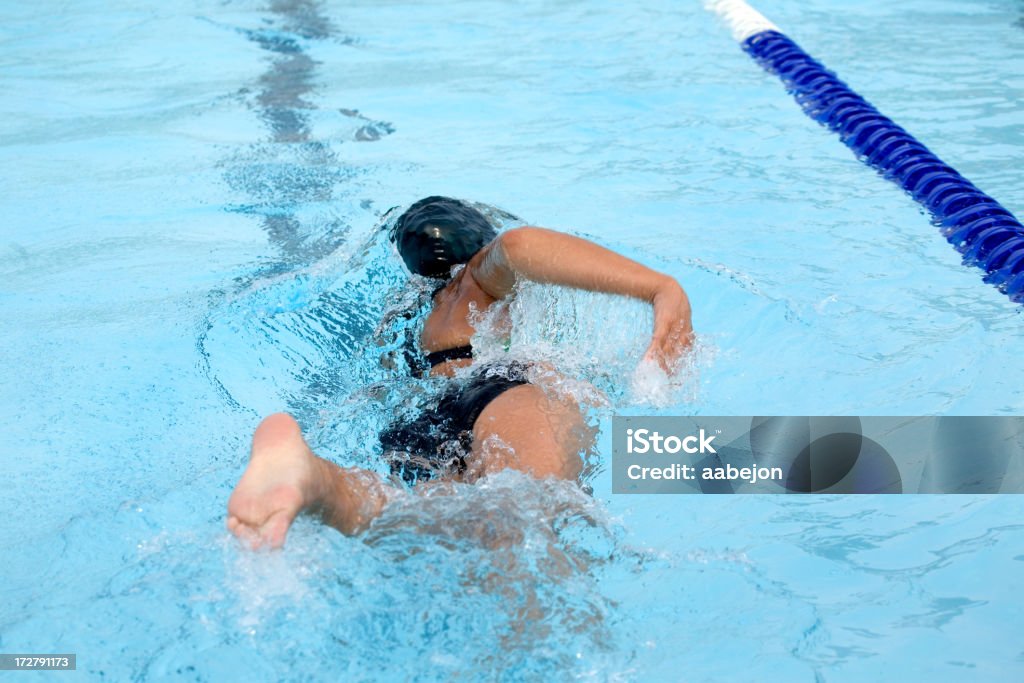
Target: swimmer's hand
(673, 328)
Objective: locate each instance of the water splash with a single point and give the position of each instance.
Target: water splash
(596, 341)
(510, 564)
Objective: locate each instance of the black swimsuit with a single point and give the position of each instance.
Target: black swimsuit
(456, 353)
(439, 439)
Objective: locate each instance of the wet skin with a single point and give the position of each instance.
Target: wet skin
(527, 427)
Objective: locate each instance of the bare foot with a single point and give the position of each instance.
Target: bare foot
(283, 479)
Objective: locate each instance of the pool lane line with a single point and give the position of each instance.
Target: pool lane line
(978, 226)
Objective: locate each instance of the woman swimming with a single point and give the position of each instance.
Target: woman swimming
(539, 432)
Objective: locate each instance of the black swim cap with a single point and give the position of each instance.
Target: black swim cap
(437, 233)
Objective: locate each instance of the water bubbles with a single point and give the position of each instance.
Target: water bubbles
(588, 344)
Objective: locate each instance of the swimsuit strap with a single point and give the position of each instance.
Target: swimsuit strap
(438, 357)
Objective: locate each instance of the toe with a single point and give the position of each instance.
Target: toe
(276, 528)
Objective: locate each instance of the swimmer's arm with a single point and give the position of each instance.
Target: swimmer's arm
(550, 257)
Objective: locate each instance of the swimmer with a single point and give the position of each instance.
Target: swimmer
(540, 434)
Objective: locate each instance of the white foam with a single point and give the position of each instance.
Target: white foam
(743, 20)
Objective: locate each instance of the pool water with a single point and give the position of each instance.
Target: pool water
(191, 239)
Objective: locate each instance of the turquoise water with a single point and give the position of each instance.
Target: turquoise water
(190, 201)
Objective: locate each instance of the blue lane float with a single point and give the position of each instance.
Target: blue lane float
(978, 226)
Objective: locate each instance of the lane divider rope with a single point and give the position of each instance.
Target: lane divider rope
(980, 228)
